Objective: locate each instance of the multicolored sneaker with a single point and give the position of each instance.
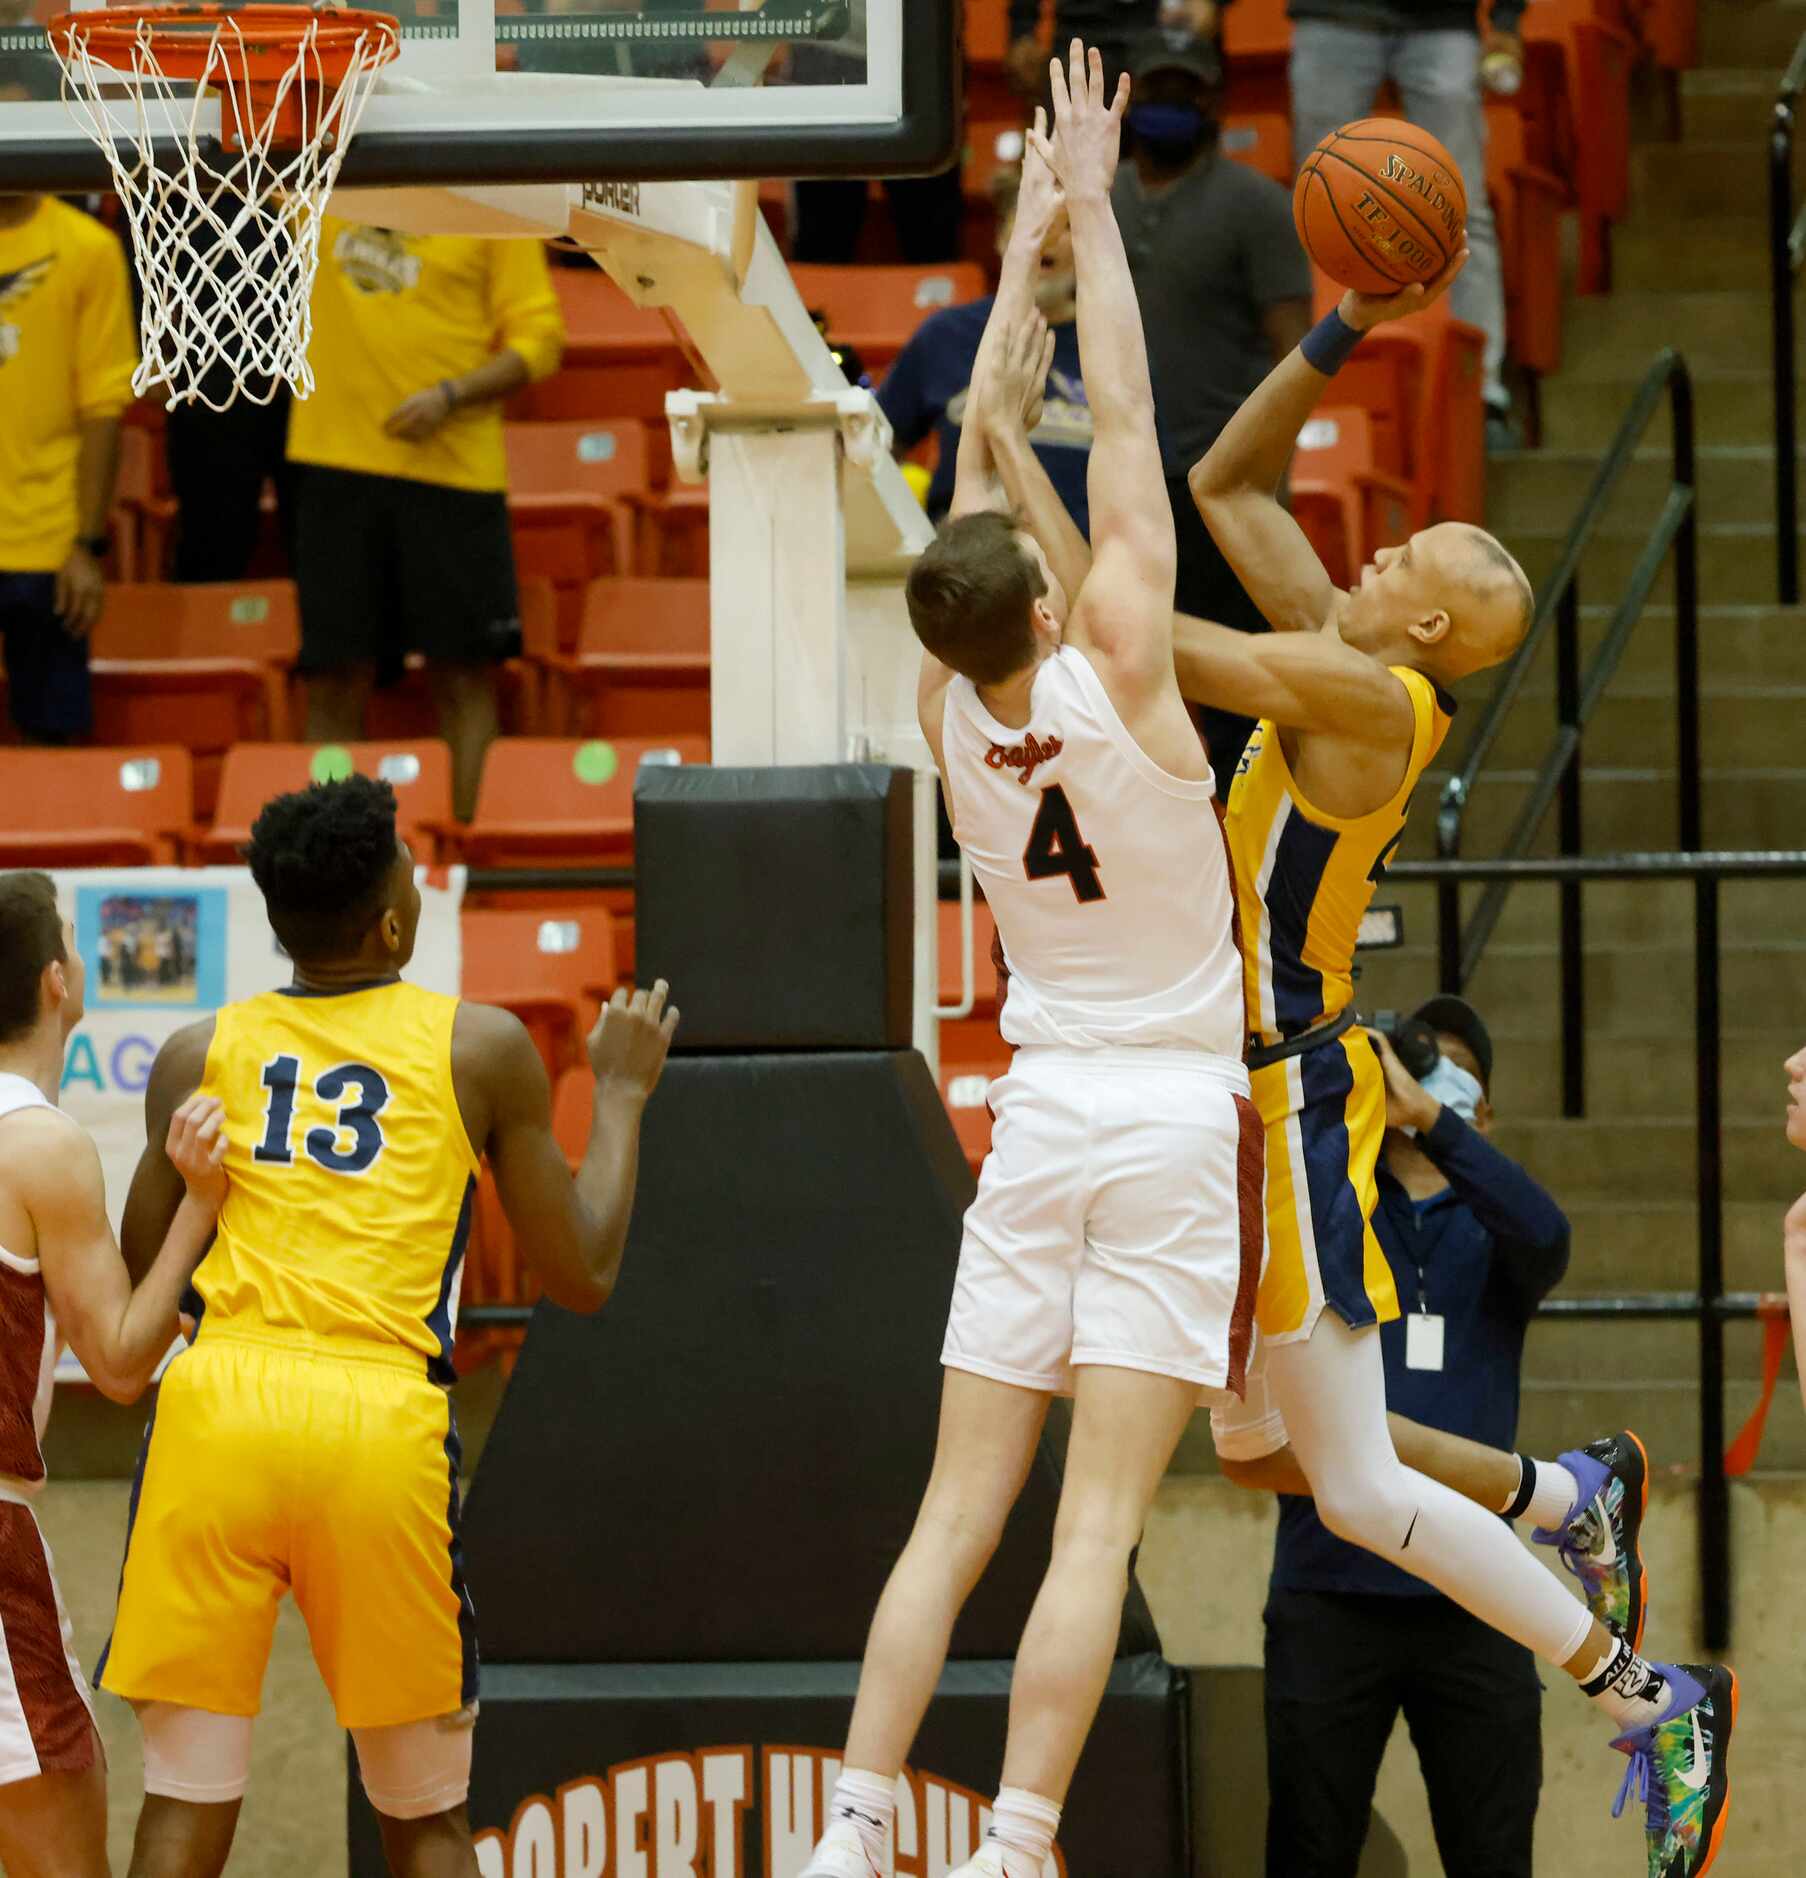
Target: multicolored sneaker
(1678, 1769)
(1601, 1545)
(843, 1853)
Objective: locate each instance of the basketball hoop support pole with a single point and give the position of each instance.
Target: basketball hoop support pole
(812, 528)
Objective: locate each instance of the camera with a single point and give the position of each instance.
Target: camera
(1413, 1041)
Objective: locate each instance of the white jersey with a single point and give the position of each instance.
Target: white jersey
(1108, 878)
(28, 1341)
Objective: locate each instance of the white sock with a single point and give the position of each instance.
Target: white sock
(1553, 1493)
(1630, 1691)
(1024, 1823)
(869, 1803)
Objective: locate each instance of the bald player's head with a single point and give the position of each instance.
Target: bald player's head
(1451, 601)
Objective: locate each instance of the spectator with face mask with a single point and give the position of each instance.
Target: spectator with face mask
(1474, 1244)
(1225, 294)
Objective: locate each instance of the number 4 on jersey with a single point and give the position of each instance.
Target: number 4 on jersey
(1055, 847)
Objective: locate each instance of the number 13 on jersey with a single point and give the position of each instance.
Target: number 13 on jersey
(355, 1090)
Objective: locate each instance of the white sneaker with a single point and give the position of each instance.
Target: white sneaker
(842, 1853)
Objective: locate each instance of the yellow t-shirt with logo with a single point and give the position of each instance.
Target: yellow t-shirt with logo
(67, 352)
(394, 314)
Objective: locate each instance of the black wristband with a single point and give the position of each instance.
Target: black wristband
(96, 545)
(1328, 345)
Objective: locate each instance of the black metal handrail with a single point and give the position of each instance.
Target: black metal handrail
(1576, 697)
(1711, 1306)
(1786, 249)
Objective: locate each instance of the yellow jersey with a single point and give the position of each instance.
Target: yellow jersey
(67, 353)
(351, 1174)
(1304, 879)
(394, 314)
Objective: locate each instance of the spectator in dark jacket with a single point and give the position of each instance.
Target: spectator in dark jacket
(925, 390)
(1343, 51)
(1474, 1244)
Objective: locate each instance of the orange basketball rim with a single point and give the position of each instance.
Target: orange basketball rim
(282, 64)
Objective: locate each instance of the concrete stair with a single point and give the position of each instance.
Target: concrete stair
(1691, 271)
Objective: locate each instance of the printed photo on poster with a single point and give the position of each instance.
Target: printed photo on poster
(162, 947)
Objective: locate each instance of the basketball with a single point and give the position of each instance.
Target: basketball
(1380, 204)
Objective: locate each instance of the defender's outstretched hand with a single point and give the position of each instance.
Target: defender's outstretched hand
(1087, 137)
(1364, 311)
(627, 1048)
(1040, 201)
(1010, 397)
(197, 1149)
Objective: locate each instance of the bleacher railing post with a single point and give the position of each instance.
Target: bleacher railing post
(1714, 1484)
(1573, 955)
(1686, 614)
(1781, 286)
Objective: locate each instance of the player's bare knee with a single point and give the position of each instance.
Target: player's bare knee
(1257, 1476)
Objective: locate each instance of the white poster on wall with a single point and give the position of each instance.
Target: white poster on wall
(165, 947)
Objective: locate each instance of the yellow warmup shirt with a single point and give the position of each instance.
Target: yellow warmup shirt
(67, 352)
(1304, 879)
(395, 314)
(351, 1175)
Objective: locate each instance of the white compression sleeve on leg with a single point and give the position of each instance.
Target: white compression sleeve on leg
(1331, 1390)
(191, 1754)
(416, 1769)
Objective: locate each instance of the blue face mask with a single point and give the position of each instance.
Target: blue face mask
(1454, 1088)
(1171, 131)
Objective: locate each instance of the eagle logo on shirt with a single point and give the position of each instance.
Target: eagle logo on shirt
(15, 288)
(376, 260)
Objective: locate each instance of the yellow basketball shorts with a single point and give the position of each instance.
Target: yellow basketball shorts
(1325, 1115)
(327, 1469)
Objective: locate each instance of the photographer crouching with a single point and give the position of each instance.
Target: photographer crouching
(1474, 1244)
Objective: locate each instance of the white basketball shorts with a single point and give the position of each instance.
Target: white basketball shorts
(1119, 1221)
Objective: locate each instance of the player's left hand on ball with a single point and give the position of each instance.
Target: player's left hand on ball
(197, 1149)
(1364, 311)
(628, 1045)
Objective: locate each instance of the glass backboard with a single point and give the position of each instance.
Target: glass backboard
(563, 90)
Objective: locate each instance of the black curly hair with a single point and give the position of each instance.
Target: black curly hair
(322, 857)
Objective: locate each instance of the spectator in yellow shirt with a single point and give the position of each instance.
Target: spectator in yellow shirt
(401, 539)
(66, 357)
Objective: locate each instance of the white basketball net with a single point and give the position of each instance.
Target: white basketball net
(226, 239)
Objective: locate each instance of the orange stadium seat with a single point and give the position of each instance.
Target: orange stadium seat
(128, 807)
(1262, 140)
(1419, 379)
(573, 1110)
(973, 1056)
(987, 31)
(1595, 60)
(419, 773)
(573, 492)
(1257, 52)
(619, 359)
(552, 970)
(564, 801)
(207, 666)
(144, 509)
(1343, 503)
(875, 309)
(640, 667)
(1528, 204)
(985, 154)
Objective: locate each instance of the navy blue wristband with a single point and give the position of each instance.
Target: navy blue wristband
(1327, 346)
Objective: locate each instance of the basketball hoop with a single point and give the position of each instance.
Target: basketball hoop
(226, 228)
